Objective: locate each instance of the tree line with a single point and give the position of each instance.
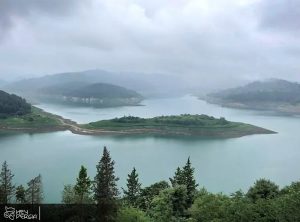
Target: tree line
(11, 105)
(178, 200)
(10, 193)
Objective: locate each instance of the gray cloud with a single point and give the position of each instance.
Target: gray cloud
(280, 15)
(211, 43)
(13, 10)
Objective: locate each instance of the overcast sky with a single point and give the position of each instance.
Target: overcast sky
(204, 40)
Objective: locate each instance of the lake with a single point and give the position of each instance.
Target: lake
(221, 165)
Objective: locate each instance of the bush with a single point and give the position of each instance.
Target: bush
(130, 214)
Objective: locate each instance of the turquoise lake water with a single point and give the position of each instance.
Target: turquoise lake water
(221, 165)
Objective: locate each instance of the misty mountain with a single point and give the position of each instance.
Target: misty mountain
(273, 94)
(147, 84)
(84, 94)
(102, 90)
(274, 90)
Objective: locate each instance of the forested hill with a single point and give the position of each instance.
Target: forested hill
(11, 105)
(97, 90)
(184, 125)
(80, 92)
(272, 90)
(274, 94)
(146, 84)
(83, 94)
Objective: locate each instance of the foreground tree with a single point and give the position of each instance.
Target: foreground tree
(178, 178)
(263, 189)
(190, 182)
(6, 186)
(20, 194)
(169, 205)
(132, 193)
(129, 214)
(185, 177)
(83, 185)
(106, 190)
(210, 207)
(69, 195)
(34, 192)
(149, 193)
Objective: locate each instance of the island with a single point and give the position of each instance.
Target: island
(18, 115)
(275, 95)
(176, 125)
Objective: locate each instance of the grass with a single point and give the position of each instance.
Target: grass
(186, 125)
(180, 121)
(197, 125)
(36, 119)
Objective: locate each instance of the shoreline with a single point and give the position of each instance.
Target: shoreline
(276, 110)
(75, 128)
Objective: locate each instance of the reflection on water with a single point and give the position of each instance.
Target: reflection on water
(222, 165)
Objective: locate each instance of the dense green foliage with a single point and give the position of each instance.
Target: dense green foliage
(185, 125)
(131, 194)
(185, 177)
(20, 194)
(263, 202)
(7, 187)
(160, 121)
(106, 191)
(37, 119)
(263, 189)
(129, 214)
(34, 191)
(9, 193)
(12, 105)
(83, 185)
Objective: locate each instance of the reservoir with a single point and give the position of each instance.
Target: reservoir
(221, 165)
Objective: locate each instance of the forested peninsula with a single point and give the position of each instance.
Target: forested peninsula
(18, 115)
(275, 95)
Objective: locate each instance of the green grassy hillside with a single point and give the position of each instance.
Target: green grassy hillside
(189, 125)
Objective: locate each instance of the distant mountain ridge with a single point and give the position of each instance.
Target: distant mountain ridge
(75, 89)
(146, 84)
(97, 95)
(273, 94)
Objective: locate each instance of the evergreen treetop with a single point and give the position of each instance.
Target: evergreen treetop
(6, 185)
(131, 195)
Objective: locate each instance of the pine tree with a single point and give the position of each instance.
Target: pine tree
(20, 195)
(83, 185)
(190, 182)
(132, 193)
(6, 187)
(68, 195)
(178, 178)
(106, 190)
(34, 192)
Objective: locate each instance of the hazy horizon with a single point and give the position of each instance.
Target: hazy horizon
(211, 44)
